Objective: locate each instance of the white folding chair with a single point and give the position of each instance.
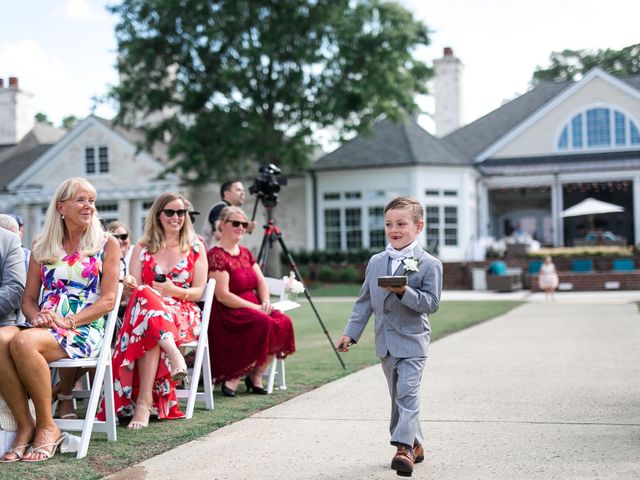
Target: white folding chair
(276, 370)
(102, 380)
(202, 364)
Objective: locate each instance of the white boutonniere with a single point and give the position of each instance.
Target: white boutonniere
(411, 264)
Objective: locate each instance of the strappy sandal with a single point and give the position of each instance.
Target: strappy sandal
(178, 367)
(69, 416)
(47, 449)
(17, 451)
(137, 424)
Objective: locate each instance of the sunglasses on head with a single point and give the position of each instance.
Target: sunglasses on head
(237, 223)
(121, 236)
(170, 212)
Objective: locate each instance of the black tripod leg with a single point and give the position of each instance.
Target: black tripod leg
(306, 294)
(263, 254)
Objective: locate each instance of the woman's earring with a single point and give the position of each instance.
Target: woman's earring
(62, 215)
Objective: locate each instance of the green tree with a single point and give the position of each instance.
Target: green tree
(251, 80)
(69, 122)
(571, 64)
(42, 118)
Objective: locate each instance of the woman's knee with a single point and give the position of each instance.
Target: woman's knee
(24, 342)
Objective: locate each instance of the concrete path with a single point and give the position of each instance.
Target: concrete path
(548, 391)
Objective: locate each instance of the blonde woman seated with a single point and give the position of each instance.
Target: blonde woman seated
(167, 274)
(76, 264)
(245, 331)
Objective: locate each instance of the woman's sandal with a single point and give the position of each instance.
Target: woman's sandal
(67, 416)
(17, 451)
(178, 367)
(137, 424)
(47, 449)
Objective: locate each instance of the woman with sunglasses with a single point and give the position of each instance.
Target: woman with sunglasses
(245, 331)
(167, 274)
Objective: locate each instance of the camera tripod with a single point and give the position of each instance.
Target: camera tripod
(271, 234)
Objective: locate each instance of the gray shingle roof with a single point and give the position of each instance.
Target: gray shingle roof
(136, 136)
(391, 144)
(474, 138)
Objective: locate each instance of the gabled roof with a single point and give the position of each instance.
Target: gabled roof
(479, 135)
(17, 158)
(391, 145)
(136, 136)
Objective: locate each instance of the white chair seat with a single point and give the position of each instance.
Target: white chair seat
(102, 382)
(276, 371)
(202, 362)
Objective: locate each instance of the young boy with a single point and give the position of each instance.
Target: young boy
(401, 323)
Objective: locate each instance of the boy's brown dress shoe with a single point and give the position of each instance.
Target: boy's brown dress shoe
(418, 453)
(402, 461)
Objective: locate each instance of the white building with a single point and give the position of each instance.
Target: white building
(519, 166)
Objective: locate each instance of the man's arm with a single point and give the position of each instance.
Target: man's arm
(13, 278)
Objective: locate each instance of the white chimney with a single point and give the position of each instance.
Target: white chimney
(448, 93)
(16, 113)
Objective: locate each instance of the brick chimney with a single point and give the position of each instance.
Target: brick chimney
(448, 93)
(16, 112)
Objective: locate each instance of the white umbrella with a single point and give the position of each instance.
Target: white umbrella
(591, 207)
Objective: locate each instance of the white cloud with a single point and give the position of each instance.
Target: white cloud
(78, 9)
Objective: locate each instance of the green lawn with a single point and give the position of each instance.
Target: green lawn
(314, 364)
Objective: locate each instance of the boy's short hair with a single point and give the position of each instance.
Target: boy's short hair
(407, 203)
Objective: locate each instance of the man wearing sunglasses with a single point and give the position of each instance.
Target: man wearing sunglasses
(232, 194)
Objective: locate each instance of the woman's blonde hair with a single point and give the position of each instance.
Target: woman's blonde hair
(153, 235)
(226, 213)
(113, 225)
(47, 248)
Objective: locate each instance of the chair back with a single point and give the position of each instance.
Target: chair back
(534, 266)
(207, 302)
(623, 265)
(276, 287)
(498, 268)
(582, 265)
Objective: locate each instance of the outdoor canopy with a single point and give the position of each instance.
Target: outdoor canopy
(591, 206)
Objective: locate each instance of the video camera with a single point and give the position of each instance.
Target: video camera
(267, 184)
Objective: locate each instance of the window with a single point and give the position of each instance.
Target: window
(599, 127)
(90, 160)
(450, 193)
(107, 212)
(433, 226)
(332, 229)
(451, 226)
(332, 196)
(96, 160)
(352, 195)
(354, 228)
(376, 227)
(441, 226)
(432, 193)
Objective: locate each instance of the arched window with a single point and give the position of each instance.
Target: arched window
(599, 127)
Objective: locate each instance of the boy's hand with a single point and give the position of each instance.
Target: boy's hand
(397, 290)
(344, 343)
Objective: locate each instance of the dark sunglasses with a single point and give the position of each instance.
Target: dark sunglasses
(121, 236)
(236, 224)
(170, 212)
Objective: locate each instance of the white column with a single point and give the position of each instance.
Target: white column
(483, 210)
(556, 210)
(636, 208)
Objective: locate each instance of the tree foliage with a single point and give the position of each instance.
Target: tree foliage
(69, 122)
(571, 64)
(42, 118)
(234, 82)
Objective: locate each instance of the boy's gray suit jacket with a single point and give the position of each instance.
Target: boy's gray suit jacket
(401, 324)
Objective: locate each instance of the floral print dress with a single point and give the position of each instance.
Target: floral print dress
(149, 318)
(69, 286)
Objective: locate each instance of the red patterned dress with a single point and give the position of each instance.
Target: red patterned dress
(148, 319)
(243, 338)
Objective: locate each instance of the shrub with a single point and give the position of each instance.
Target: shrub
(326, 273)
(348, 274)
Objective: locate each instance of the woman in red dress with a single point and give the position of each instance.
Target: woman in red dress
(245, 331)
(168, 272)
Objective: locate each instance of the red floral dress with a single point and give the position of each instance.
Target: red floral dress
(149, 318)
(243, 338)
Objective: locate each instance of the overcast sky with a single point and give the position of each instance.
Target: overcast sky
(64, 51)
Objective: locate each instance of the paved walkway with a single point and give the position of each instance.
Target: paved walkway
(547, 391)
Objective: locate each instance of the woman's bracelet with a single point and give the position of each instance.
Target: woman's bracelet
(72, 321)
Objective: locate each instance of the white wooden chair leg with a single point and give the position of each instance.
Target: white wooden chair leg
(272, 375)
(282, 380)
(207, 381)
(109, 405)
